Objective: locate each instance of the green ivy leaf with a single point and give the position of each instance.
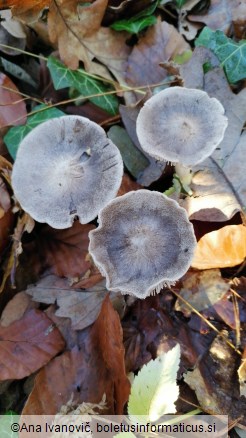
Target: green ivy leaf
(231, 55)
(154, 390)
(180, 3)
(133, 26)
(16, 134)
(63, 77)
(139, 21)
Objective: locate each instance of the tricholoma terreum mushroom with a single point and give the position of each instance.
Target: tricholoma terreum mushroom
(181, 125)
(144, 241)
(66, 168)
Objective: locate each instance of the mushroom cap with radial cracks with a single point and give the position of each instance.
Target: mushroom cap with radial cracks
(144, 242)
(181, 125)
(66, 168)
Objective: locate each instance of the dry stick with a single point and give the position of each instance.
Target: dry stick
(205, 320)
(237, 320)
(22, 94)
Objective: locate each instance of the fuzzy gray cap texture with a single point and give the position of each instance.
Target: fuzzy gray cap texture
(144, 241)
(181, 125)
(66, 168)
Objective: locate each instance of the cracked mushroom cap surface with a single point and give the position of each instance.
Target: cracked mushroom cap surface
(66, 168)
(144, 242)
(181, 125)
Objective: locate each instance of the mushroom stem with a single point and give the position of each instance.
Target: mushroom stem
(185, 175)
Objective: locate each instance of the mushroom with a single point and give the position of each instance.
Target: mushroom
(66, 168)
(182, 126)
(144, 242)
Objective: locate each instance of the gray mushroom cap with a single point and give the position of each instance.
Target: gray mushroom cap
(144, 241)
(181, 125)
(66, 168)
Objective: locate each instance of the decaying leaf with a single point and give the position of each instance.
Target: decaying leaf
(28, 344)
(16, 308)
(96, 369)
(25, 11)
(222, 14)
(242, 374)
(13, 108)
(222, 248)
(202, 290)
(160, 43)
(215, 384)
(81, 306)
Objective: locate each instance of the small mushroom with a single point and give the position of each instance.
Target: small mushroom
(144, 242)
(66, 168)
(181, 125)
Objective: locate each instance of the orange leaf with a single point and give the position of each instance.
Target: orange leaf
(28, 344)
(221, 249)
(25, 10)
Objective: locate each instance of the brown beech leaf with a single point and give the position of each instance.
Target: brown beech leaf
(65, 251)
(222, 248)
(215, 382)
(222, 14)
(27, 345)
(202, 290)
(13, 108)
(81, 306)
(160, 43)
(86, 374)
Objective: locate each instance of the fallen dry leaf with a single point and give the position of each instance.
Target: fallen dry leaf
(222, 248)
(26, 11)
(27, 345)
(69, 22)
(16, 308)
(65, 251)
(81, 306)
(160, 43)
(215, 384)
(242, 374)
(202, 290)
(127, 185)
(86, 373)
(13, 108)
(222, 14)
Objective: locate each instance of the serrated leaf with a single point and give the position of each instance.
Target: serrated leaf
(232, 55)
(64, 77)
(154, 390)
(5, 424)
(16, 134)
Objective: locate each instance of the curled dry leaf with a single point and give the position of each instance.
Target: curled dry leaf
(81, 306)
(221, 249)
(86, 374)
(202, 290)
(215, 384)
(28, 344)
(13, 108)
(26, 11)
